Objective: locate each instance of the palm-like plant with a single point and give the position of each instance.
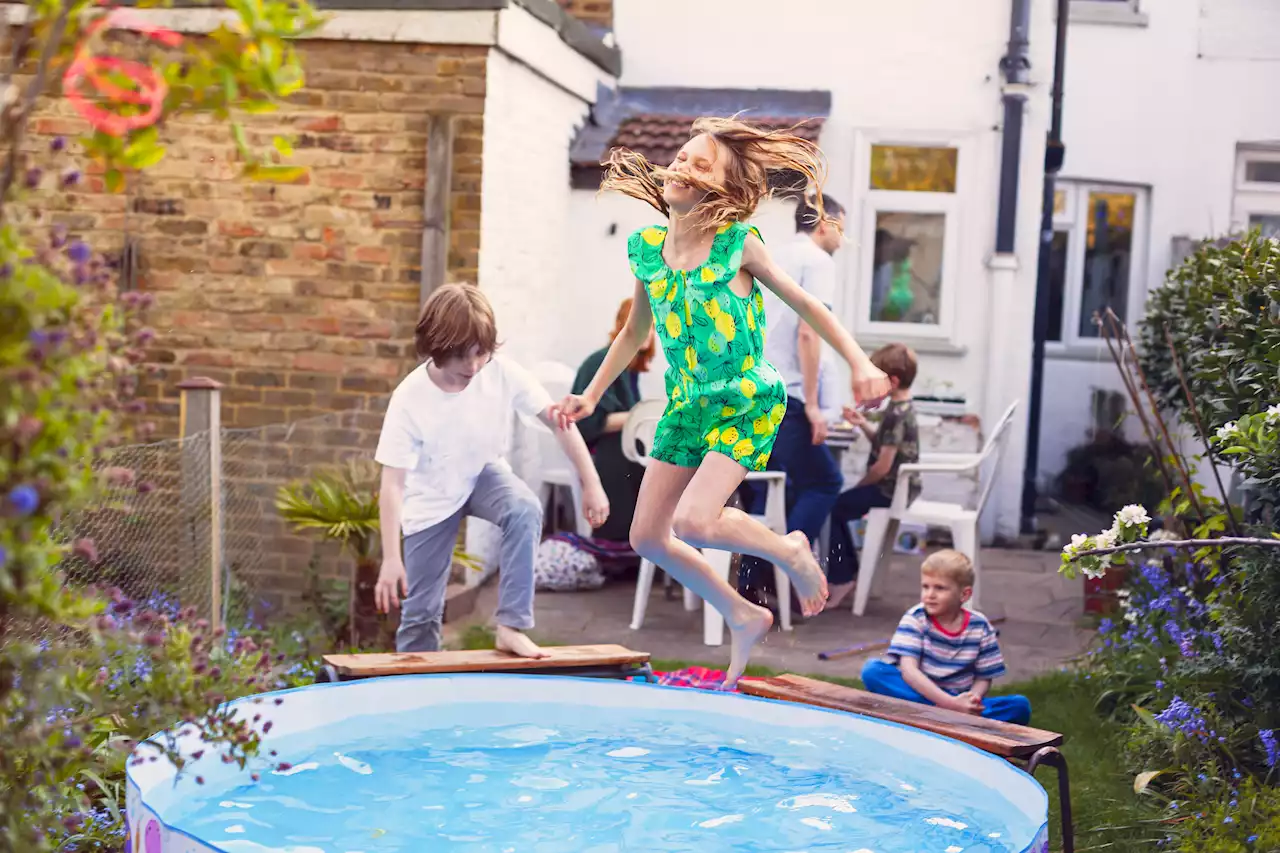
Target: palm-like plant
(343, 504)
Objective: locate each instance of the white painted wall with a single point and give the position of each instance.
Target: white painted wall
(913, 71)
(529, 122)
(1162, 106)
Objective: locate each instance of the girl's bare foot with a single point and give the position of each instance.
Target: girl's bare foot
(810, 583)
(743, 638)
(517, 643)
(839, 593)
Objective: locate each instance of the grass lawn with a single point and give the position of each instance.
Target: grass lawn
(1108, 815)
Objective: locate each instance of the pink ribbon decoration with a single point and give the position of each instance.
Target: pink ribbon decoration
(148, 88)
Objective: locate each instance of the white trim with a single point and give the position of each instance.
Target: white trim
(1073, 345)
(379, 25)
(939, 337)
(528, 40)
(1124, 13)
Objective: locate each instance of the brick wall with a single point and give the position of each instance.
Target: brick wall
(597, 12)
(300, 298)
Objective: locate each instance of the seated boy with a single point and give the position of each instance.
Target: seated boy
(894, 443)
(442, 445)
(941, 653)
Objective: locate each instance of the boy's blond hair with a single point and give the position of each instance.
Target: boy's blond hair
(456, 319)
(951, 565)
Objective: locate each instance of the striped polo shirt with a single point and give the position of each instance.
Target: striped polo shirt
(953, 661)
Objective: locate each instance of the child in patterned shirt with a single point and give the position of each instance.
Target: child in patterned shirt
(894, 443)
(943, 654)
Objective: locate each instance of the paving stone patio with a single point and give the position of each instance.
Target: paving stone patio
(1041, 630)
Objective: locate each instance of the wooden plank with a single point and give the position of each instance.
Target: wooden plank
(1003, 739)
(435, 204)
(482, 660)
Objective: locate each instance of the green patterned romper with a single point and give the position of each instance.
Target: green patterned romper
(722, 395)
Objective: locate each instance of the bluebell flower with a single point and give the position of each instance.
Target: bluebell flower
(1159, 685)
(1268, 738)
(1228, 819)
(1105, 626)
(24, 499)
(79, 252)
(1183, 717)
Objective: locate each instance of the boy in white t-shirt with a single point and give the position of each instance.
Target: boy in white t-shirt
(442, 446)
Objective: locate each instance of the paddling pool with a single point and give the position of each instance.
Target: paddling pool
(549, 764)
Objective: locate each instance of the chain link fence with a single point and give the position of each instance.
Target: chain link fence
(192, 522)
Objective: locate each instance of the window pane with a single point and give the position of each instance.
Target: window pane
(1059, 202)
(906, 279)
(1107, 257)
(1262, 171)
(907, 168)
(1268, 222)
(1057, 283)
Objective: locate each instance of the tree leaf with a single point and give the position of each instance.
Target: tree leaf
(1142, 780)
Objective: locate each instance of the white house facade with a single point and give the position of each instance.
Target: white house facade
(1171, 137)
(913, 130)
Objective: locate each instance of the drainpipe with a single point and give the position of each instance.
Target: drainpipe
(1014, 65)
(1053, 157)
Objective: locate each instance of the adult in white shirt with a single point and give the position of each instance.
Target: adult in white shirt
(792, 346)
(442, 449)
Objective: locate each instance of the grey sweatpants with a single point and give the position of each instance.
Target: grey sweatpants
(502, 498)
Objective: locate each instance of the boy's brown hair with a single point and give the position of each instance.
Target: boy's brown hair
(454, 320)
(897, 360)
(950, 564)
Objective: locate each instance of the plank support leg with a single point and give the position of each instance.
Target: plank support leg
(1053, 758)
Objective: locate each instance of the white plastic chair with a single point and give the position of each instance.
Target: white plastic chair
(882, 524)
(637, 438)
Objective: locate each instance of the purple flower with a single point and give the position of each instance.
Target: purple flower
(24, 499)
(4, 556)
(70, 177)
(79, 252)
(58, 143)
(32, 179)
(1159, 684)
(1105, 626)
(1268, 738)
(1183, 717)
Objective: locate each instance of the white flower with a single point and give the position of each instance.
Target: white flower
(1095, 571)
(1163, 535)
(1227, 431)
(1273, 415)
(1078, 542)
(1106, 539)
(1132, 516)
(1131, 616)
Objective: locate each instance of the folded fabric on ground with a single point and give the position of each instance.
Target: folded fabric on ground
(697, 677)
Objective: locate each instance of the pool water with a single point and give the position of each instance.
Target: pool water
(555, 777)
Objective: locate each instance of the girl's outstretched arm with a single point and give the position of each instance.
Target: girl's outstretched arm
(634, 333)
(870, 385)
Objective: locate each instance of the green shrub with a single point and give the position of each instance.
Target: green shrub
(86, 675)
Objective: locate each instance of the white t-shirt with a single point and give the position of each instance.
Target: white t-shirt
(815, 271)
(444, 440)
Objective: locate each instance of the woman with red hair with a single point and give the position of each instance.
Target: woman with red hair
(602, 429)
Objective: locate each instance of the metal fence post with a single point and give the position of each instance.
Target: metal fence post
(200, 414)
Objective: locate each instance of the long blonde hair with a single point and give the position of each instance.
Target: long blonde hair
(753, 152)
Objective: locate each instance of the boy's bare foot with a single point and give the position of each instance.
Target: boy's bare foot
(743, 638)
(517, 643)
(810, 583)
(839, 593)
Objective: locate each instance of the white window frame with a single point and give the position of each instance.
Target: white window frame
(1253, 197)
(870, 202)
(1117, 12)
(1072, 220)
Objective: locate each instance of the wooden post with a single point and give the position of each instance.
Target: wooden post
(435, 204)
(200, 417)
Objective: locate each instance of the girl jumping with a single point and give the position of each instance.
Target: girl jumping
(696, 280)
